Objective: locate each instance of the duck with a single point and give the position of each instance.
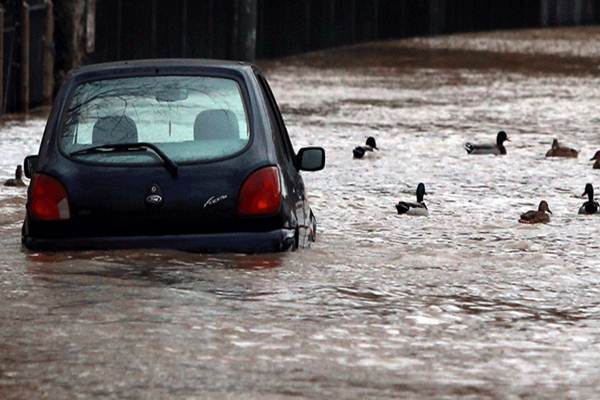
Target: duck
(590, 206)
(496, 149)
(558, 151)
(415, 209)
(541, 216)
(597, 159)
(370, 145)
(18, 180)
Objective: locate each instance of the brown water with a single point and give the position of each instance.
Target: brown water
(464, 304)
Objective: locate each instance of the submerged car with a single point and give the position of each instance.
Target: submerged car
(181, 154)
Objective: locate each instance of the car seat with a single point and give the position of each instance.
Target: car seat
(114, 129)
(216, 124)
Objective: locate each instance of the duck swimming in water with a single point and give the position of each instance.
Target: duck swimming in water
(537, 217)
(415, 209)
(18, 180)
(597, 159)
(360, 151)
(496, 149)
(559, 151)
(590, 206)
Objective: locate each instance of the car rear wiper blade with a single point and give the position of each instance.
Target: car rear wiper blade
(169, 164)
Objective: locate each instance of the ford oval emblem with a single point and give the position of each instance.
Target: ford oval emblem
(154, 197)
(154, 200)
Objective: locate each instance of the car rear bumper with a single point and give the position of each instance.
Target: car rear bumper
(238, 242)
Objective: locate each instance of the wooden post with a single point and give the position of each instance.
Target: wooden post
(48, 89)
(119, 28)
(578, 12)
(366, 17)
(405, 23)
(154, 27)
(234, 52)
(544, 13)
(246, 31)
(1, 60)
(331, 36)
(352, 36)
(588, 10)
(25, 57)
(211, 29)
(90, 26)
(437, 16)
(563, 10)
(184, 16)
(306, 26)
(375, 34)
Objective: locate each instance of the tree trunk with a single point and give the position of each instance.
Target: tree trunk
(246, 29)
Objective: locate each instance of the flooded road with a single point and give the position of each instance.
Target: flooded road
(464, 304)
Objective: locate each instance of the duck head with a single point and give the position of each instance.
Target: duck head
(544, 207)
(596, 156)
(371, 142)
(555, 144)
(420, 192)
(19, 173)
(589, 191)
(501, 138)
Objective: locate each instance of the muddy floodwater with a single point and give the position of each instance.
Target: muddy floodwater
(464, 304)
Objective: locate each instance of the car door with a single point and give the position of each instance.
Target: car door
(288, 156)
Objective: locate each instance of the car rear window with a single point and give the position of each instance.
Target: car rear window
(190, 118)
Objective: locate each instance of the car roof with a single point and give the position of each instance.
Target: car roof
(172, 64)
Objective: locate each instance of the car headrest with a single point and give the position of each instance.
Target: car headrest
(216, 124)
(114, 129)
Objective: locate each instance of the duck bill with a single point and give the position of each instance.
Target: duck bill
(584, 194)
(550, 212)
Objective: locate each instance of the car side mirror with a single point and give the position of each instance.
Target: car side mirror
(311, 159)
(31, 164)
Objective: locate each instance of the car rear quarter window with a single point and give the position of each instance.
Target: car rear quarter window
(190, 118)
(277, 119)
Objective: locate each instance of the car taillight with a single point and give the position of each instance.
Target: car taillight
(49, 201)
(260, 193)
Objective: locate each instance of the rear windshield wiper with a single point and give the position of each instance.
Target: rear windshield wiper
(169, 164)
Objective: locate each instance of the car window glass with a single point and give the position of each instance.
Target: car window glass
(191, 118)
(279, 120)
(279, 143)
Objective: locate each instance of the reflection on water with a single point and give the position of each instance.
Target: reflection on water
(464, 304)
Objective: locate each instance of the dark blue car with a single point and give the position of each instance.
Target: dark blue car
(183, 154)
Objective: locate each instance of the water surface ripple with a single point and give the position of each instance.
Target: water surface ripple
(464, 304)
